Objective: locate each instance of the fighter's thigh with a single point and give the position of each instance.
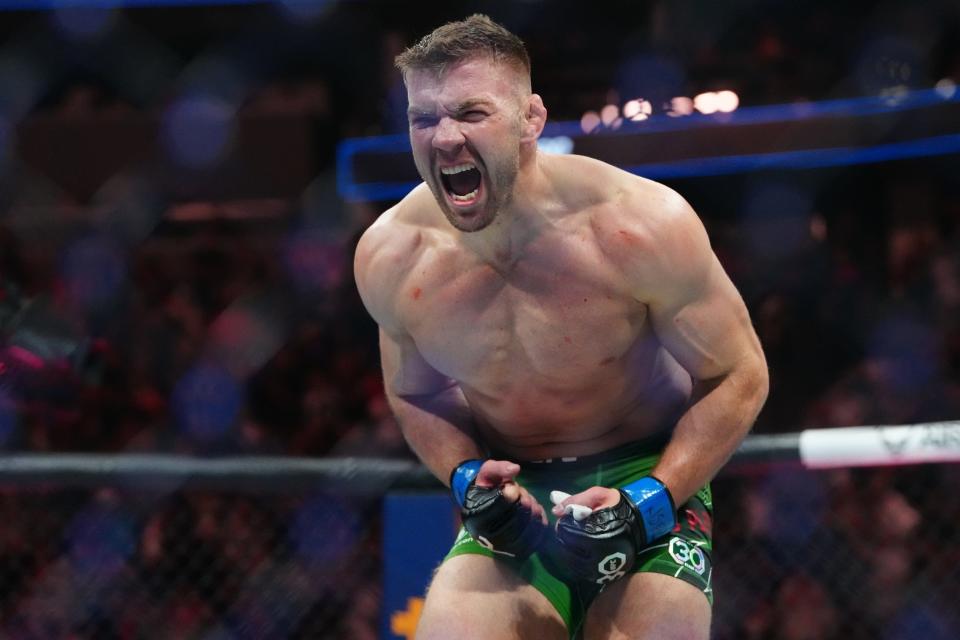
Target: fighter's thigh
(476, 597)
(649, 606)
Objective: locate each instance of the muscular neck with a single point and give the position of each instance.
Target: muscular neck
(523, 219)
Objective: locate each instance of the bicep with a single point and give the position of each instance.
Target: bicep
(405, 371)
(696, 311)
(705, 324)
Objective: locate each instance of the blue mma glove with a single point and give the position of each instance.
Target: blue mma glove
(506, 528)
(603, 546)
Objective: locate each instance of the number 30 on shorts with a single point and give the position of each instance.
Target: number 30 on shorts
(687, 555)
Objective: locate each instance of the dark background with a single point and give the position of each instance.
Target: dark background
(175, 258)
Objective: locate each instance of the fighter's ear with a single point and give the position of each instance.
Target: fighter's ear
(535, 117)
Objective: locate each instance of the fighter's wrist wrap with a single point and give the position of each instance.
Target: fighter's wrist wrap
(654, 505)
(603, 547)
(462, 477)
(506, 528)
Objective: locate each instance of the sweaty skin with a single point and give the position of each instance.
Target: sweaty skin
(568, 308)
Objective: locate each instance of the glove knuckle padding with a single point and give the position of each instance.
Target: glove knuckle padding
(603, 546)
(509, 527)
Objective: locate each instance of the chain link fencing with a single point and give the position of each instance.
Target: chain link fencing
(847, 553)
(866, 553)
(114, 563)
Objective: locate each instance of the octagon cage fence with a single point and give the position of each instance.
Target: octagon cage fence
(827, 533)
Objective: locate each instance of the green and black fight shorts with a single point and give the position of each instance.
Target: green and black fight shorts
(684, 553)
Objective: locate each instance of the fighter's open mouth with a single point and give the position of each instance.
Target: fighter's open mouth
(462, 182)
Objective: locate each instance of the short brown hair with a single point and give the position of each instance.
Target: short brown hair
(476, 36)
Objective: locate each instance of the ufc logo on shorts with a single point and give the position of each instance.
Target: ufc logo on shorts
(611, 567)
(688, 555)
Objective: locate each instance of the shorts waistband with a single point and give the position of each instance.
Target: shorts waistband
(648, 446)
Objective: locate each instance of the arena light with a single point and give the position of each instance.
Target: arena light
(946, 88)
(637, 110)
(727, 101)
(679, 106)
(895, 94)
(609, 114)
(707, 102)
(668, 117)
(589, 121)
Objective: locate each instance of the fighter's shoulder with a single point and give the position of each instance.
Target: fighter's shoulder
(398, 232)
(638, 212)
(647, 230)
(389, 248)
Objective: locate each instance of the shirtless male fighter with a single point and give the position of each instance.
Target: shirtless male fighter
(550, 322)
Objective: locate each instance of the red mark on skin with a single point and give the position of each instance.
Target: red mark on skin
(567, 339)
(417, 292)
(607, 360)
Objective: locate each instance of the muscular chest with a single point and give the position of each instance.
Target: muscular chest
(543, 323)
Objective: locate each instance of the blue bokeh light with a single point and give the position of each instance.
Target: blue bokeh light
(917, 620)
(909, 346)
(99, 542)
(206, 402)
(325, 529)
(197, 131)
(8, 418)
(93, 269)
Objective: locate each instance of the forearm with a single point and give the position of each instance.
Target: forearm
(710, 431)
(438, 427)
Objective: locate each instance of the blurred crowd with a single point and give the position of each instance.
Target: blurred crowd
(136, 318)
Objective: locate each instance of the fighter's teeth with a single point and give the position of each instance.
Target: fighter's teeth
(466, 198)
(449, 171)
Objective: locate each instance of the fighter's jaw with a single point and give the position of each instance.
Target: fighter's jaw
(465, 217)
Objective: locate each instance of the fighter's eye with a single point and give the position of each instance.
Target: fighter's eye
(474, 116)
(422, 122)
